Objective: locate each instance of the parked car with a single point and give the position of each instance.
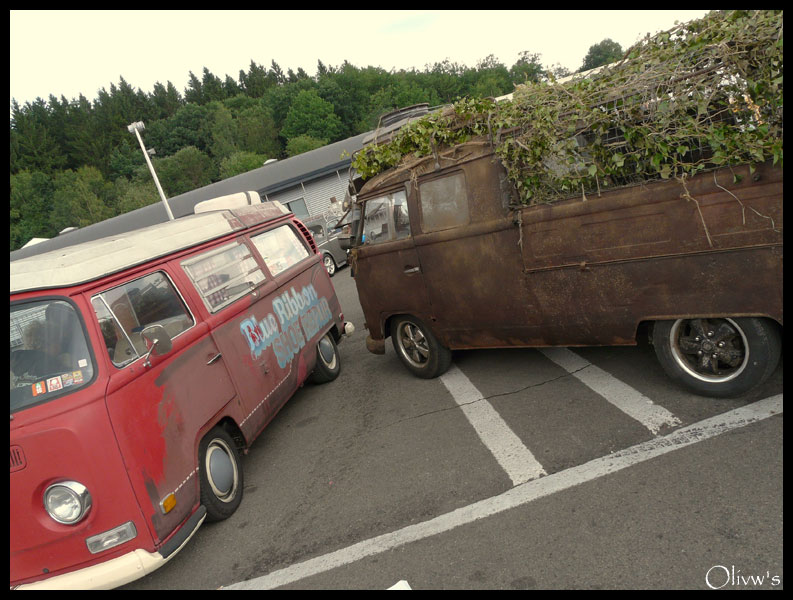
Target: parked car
(326, 237)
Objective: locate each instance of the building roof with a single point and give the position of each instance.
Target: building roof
(91, 260)
(268, 179)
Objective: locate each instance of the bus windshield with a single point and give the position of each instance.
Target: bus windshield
(49, 353)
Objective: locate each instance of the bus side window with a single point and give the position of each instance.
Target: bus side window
(280, 248)
(124, 311)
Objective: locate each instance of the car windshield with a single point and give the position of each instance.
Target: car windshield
(49, 353)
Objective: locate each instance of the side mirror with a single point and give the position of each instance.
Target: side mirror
(345, 241)
(157, 341)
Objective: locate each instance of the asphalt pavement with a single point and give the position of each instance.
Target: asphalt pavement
(519, 469)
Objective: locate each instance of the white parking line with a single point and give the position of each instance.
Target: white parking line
(628, 400)
(507, 448)
(522, 494)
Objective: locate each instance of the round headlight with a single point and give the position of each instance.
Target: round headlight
(67, 502)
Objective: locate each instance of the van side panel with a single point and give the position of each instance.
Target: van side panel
(598, 268)
(159, 414)
(588, 271)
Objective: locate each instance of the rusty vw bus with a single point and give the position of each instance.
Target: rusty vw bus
(444, 260)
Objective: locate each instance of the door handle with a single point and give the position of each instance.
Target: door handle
(214, 358)
(409, 270)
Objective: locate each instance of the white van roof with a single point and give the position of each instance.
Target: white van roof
(85, 262)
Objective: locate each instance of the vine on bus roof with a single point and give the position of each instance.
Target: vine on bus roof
(705, 94)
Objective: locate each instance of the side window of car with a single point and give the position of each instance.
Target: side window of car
(280, 248)
(318, 232)
(224, 274)
(444, 203)
(126, 310)
(386, 219)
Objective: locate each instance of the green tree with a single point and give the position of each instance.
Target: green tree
(187, 127)
(311, 115)
(165, 101)
(33, 139)
(187, 170)
(212, 87)
(132, 195)
(230, 87)
(446, 79)
(194, 93)
(491, 78)
(527, 68)
(277, 73)
(222, 131)
(602, 53)
(240, 162)
(80, 199)
(256, 131)
(303, 143)
(30, 202)
(255, 82)
(279, 98)
(124, 159)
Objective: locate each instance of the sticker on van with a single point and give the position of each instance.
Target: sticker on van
(300, 315)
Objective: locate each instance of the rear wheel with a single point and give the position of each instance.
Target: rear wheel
(220, 471)
(330, 264)
(328, 360)
(418, 349)
(718, 357)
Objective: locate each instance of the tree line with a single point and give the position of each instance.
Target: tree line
(74, 163)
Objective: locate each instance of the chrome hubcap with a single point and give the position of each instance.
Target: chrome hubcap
(221, 470)
(712, 350)
(413, 344)
(326, 352)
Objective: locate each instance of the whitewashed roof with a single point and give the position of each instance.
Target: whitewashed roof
(94, 259)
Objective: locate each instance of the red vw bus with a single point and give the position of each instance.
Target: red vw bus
(142, 366)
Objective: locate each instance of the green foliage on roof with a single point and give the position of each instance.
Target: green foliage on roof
(705, 94)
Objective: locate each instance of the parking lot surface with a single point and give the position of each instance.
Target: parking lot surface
(517, 469)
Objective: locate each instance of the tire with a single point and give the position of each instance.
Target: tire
(330, 264)
(418, 349)
(220, 474)
(722, 358)
(328, 364)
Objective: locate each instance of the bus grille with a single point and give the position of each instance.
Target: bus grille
(17, 459)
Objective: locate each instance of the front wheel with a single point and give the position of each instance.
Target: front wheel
(718, 357)
(418, 349)
(220, 471)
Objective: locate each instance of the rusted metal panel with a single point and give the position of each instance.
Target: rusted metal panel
(579, 271)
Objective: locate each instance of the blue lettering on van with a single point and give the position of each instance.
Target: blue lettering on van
(296, 317)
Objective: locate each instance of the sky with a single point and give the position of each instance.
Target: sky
(68, 53)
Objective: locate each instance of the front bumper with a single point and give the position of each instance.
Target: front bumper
(122, 569)
(375, 346)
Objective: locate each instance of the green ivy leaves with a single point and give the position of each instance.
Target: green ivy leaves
(706, 93)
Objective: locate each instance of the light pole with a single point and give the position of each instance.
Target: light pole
(135, 128)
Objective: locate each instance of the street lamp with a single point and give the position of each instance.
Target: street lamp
(136, 128)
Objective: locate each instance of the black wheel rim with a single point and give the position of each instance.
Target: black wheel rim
(710, 350)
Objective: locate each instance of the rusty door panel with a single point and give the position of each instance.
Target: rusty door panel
(474, 303)
(389, 270)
